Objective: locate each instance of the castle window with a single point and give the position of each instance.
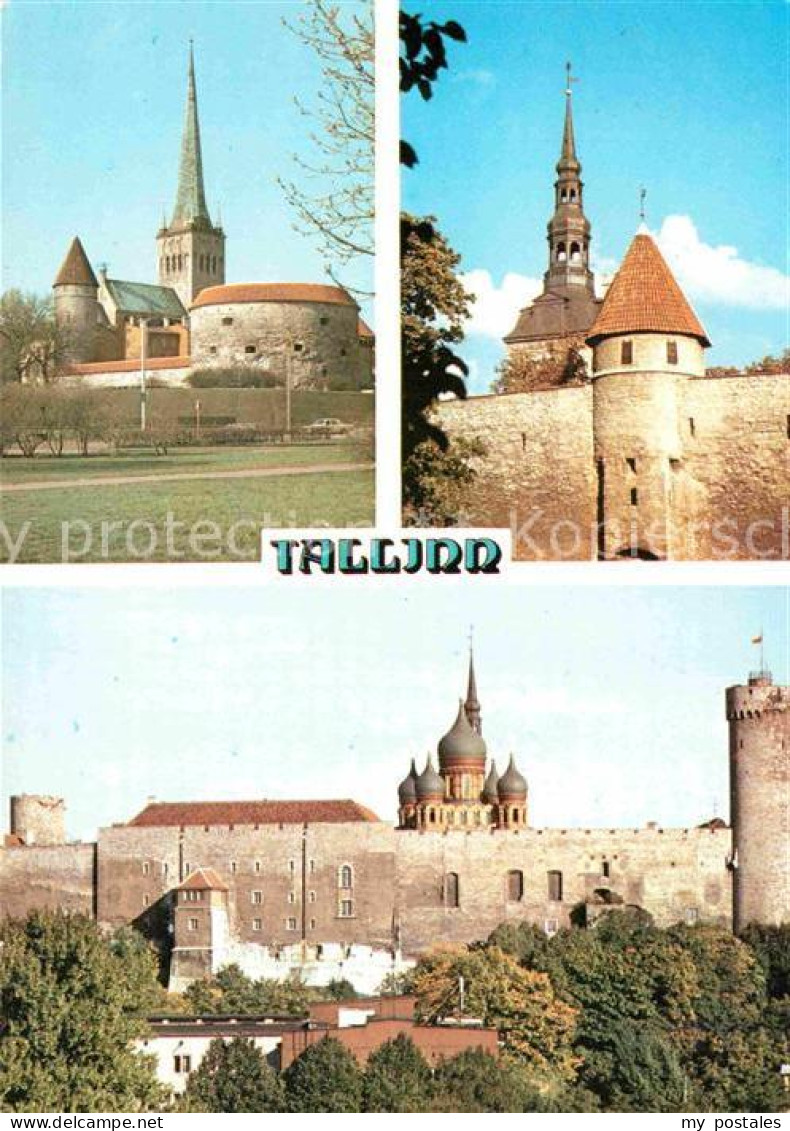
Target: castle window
(672, 353)
(233, 867)
(562, 254)
(212, 349)
(550, 926)
(452, 890)
(213, 265)
(323, 320)
(606, 869)
(146, 900)
(193, 924)
(555, 886)
(346, 908)
(257, 924)
(576, 253)
(257, 865)
(692, 915)
(187, 868)
(298, 347)
(182, 1065)
(431, 816)
(515, 886)
(311, 867)
(632, 465)
(227, 321)
(345, 876)
(292, 897)
(311, 897)
(692, 427)
(250, 349)
(514, 816)
(573, 194)
(291, 865)
(634, 496)
(627, 353)
(312, 924)
(165, 869)
(564, 195)
(146, 867)
(290, 924)
(256, 896)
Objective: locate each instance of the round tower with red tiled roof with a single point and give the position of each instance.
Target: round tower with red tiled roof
(647, 344)
(77, 311)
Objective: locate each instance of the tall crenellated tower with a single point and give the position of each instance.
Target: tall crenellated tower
(647, 343)
(759, 721)
(564, 311)
(191, 249)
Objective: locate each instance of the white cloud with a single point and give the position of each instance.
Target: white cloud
(496, 308)
(476, 77)
(719, 274)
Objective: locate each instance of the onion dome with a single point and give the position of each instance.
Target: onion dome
(462, 743)
(429, 786)
(490, 788)
(512, 785)
(407, 790)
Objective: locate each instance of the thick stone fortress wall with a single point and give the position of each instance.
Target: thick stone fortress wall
(759, 719)
(736, 440)
(47, 877)
(320, 338)
(538, 474)
(540, 875)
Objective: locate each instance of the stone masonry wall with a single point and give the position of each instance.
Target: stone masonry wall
(538, 476)
(46, 878)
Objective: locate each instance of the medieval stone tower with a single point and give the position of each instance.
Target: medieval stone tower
(647, 343)
(567, 307)
(38, 819)
(77, 309)
(759, 720)
(191, 249)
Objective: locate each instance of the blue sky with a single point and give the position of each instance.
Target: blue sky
(93, 106)
(690, 99)
(611, 699)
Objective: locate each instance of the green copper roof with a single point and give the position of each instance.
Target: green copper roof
(191, 198)
(145, 299)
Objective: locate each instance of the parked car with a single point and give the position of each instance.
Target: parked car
(328, 426)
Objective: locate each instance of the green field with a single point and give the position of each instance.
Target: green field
(196, 520)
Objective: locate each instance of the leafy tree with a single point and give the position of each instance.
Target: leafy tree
(476, 1081)
(32, 345)
(771, 946)
(534, 1024)
(423, 56)
(561, 364)
(231, 991)
(234, 1077)
(396, 1078)
(339, 208)
(72, 1006)
(339, 989)
(771, 363)
(324, 1078)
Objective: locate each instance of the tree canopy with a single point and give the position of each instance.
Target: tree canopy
(234, 1076)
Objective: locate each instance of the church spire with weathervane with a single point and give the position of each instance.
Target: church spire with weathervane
(191, 250)
(472, 703)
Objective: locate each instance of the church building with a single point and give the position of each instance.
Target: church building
(192, 320)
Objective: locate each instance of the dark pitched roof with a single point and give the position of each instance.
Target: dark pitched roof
(272, 292)
(645, 297)
(75, 270)
(191, 196)
(555, 313)
(178, 813)
(145, 298)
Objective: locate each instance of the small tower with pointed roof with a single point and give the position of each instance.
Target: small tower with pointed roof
(647, 344)
(567, 306)
(191, 249)
(77, 309)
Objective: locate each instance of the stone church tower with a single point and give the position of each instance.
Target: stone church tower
(563, 313)
(191, 249)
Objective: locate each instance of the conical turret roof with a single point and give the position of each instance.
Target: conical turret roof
(462, 741)
(75, 270)
(512, 784)
(429, 784)
(407, 790)
(645, 297)
(490, 793)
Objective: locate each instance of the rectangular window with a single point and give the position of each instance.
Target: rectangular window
(291, 865)
(627, 353)
(257, 865)
(452, 890)
(292, 897)
(550, 926)
(312, 924)
(257, 924)
(311, 865)
(233, 867)
(227, 321)
(631, 464)
(346, 908)
(672, 353)
(182, 1065)
(606, 869)
(290, 924)
(311, 896)
(146, 867)
(256, 896)
(634, 496)
(555, 886)
(692, 427)
(692, 915)
(515, 886)
(249, 349)
(146, 900)
(193, 924)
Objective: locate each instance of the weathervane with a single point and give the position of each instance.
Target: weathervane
(569, 79)
(642, 195)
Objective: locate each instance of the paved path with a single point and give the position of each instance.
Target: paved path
(178, 476)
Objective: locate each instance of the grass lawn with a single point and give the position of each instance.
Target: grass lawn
(204, 520)
(16, 469)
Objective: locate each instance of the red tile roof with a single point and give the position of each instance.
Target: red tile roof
(170, 813)
(273, 292)
(75, 270)
(644, 297)
(203, 879)
(128, 365)
(363, 330)
(12, 840)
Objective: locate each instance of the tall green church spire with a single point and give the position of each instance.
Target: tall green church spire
(191, 198)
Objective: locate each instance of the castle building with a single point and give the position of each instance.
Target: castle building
(190, 320)
(328, 889)
(648, 457)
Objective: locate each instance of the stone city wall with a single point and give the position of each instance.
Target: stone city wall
(47, 878)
